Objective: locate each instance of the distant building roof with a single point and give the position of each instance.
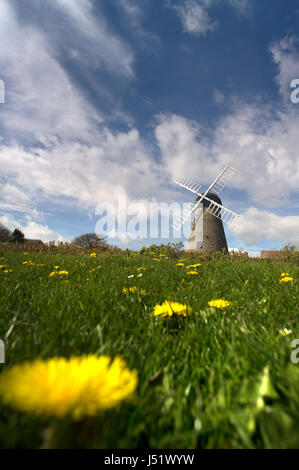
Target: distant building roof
(270, 253)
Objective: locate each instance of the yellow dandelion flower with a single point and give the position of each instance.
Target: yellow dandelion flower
(52, 273)
(92, 270)
(193, 266)
(156, 259)
(285, 332)
(219, 303)
(142, 292)
(130, 290)
(181, 261)
(3, 266)
(8, 271)
(79, 386)
(284, 274)
(63, 273)
(192, 273)
(183, 281)
(162, 255)
(25, 253)
(180, 264)
(56, 267)
(286, 279)
(133, 290)
(93, 255)
(171, 308)
(29, 263)
(141, 269)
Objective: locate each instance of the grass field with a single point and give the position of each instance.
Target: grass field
(218, 378)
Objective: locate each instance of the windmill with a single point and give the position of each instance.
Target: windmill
(207, 232)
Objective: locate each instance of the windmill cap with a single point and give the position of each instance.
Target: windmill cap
(211, 196)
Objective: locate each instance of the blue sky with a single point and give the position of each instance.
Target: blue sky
(119, 97)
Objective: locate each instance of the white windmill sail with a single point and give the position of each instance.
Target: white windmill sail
(221, 212)
(214, 208)
(188, 184)
(222, 180)
(188, 211)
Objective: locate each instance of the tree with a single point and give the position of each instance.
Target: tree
(5, 234)
(18, 236)
(91, 240)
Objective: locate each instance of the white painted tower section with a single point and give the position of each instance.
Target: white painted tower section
(196, 237)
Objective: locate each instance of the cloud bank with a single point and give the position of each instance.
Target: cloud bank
(56, 145)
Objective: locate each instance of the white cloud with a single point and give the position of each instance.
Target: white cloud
(31, 229)
(260, 144)
(256, 226)
(89, 174)
(182, 151)
(195, 14)
(195, 17)
(41, 232)
(10, 192)
(40, 96)
(286, 56)
(133, 14)
(132, 10)
(97, 44)
(14, 199)
(241, 6)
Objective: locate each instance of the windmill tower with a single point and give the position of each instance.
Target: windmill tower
(207, 232)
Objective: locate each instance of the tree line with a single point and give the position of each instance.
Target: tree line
(87, 240)
(17, 236)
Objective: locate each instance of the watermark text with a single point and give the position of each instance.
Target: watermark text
(2, 352)
(139, 220)
(2, 92)
(295, 353)
(295, 93)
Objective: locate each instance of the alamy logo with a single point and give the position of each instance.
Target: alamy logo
(295, 93)
(132, 220)
(2, 92)
(2, 352)
(294, 355)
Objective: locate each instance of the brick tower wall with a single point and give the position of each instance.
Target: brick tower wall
(213, 232)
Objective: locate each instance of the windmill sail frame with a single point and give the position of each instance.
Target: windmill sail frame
(218, 210)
